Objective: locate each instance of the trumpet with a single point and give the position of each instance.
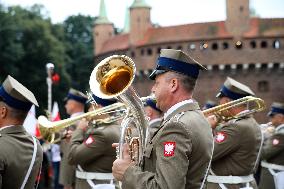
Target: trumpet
(48, 129)
(254, 105)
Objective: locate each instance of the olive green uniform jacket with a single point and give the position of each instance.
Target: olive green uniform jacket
(237, 144)
(93, 151)
(67, 171)
(272, 152)
(178, 154)
(153, 127)
(16, 151)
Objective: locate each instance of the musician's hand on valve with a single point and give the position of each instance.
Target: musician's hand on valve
(69, 134)
(83, 124)
(121, 165)
(213, 120)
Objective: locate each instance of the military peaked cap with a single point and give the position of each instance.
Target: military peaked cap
(234, 90)
(152, 104)
(276, 108)
(176, 61)
(16, 95)
(209, 104)
(103, 102)
(76, 95)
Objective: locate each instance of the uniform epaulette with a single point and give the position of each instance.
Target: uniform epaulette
(234, 120)
(280, 130)
(178, 116)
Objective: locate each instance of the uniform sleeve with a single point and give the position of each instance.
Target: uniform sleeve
(85, 150)
(273, 146)
(171, 164)
(2, 165)
(1, 171)
(225, 141)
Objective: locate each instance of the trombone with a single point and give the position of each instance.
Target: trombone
(254, 105)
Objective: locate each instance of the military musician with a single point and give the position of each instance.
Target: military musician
(272, 172)
(91, 148)
(75, 104)
(237, 142)
(155, 117)
(20, 153)
(179, 152)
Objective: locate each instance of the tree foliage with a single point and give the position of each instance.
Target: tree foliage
(28, 41)
(79, 44)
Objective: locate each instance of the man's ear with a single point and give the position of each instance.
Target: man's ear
(3, 111)
(174, 84)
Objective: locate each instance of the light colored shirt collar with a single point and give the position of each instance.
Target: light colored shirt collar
(280, 127)
(6, 127)
(76, 114)
(176, 106)
(243, 112)
(154, 121)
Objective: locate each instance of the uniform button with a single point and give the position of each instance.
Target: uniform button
(150, 142)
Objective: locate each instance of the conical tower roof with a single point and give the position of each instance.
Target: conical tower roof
(139, 4)
(102, 18)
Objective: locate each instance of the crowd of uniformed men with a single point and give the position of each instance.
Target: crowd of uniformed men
(184, 149)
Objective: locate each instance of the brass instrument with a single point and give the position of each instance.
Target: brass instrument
(48, 129)
(113, 77)
(254, 105)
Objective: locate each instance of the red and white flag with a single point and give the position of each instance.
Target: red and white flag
(30, 122)
(55, 115)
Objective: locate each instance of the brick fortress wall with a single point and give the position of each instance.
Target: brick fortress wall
(257, 62)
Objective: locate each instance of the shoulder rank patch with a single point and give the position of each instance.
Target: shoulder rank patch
(169, 148)
(275, 141)
(89, 140)
(220, 137)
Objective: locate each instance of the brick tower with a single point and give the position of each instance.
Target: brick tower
(103, 29)
(140, 20)
(238, 16)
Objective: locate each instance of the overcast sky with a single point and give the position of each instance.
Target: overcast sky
(164, 12)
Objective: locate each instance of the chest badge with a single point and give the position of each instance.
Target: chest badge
(169, 149)
(220, 137)
(89, 140)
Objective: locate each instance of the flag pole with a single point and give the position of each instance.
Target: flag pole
(50, 70)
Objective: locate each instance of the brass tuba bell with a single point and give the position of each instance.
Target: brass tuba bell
(112, 78)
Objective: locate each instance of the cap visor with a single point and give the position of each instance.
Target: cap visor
(270, 114)
(218, 95)
(155, 73)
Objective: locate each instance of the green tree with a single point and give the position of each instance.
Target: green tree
(28, 41)
(79, 43)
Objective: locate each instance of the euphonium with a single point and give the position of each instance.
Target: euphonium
(253, 104)
(112, 78)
